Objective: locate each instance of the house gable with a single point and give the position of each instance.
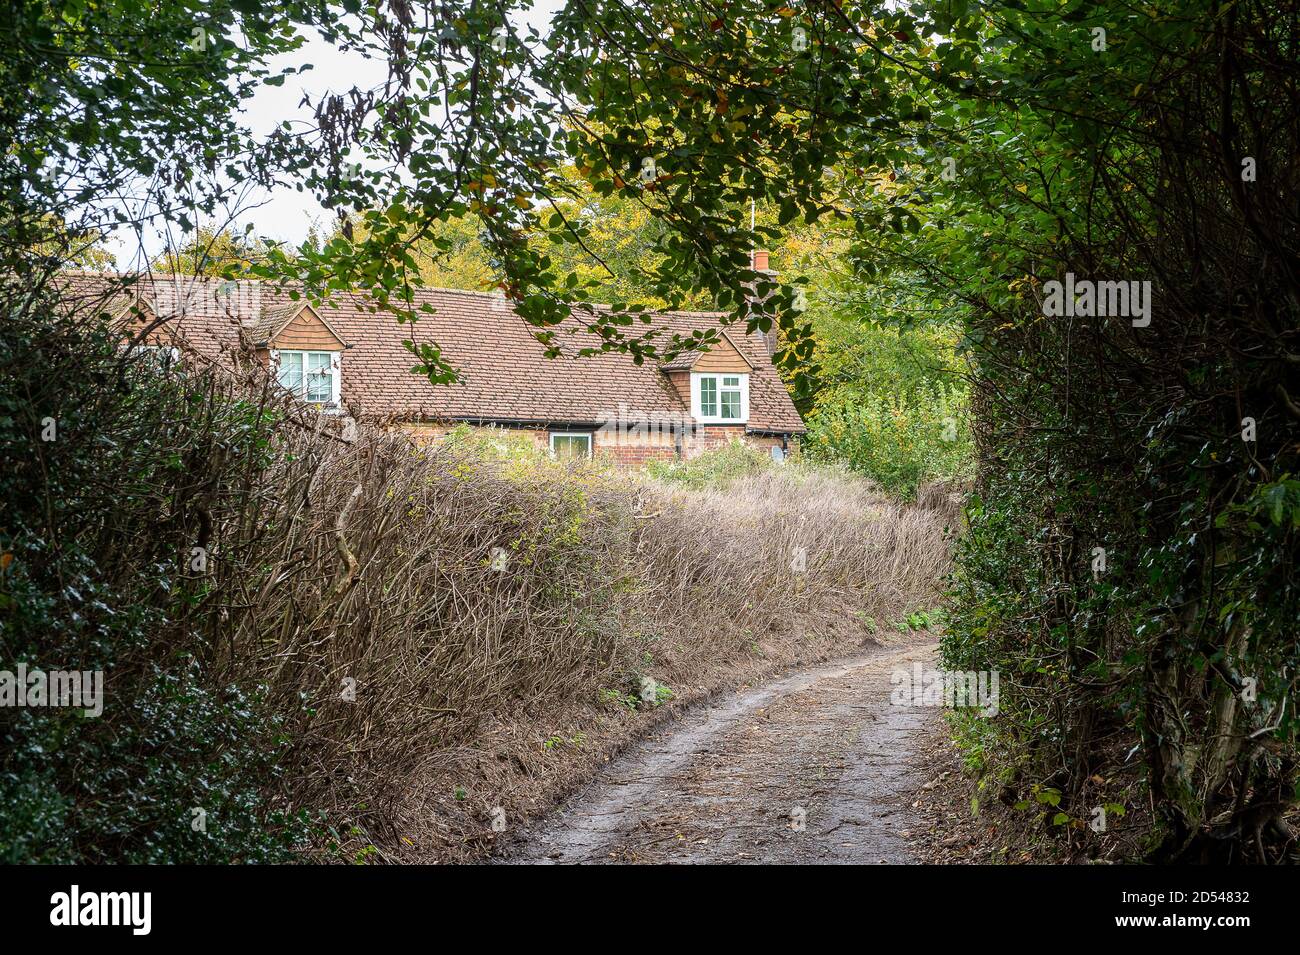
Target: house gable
(307, 331)
(723, 357)
(295, 327)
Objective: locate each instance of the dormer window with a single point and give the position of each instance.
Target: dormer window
(720, 398)
(304, 351)
(312, 376)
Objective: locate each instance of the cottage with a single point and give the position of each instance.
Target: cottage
(350, 361)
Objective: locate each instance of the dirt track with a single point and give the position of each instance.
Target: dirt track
(727, 783)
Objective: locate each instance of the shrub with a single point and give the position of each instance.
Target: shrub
(94, 531)
(713, 468)
(900, 441)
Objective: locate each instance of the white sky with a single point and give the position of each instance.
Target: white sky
(286, 214)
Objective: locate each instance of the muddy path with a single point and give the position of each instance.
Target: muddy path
(810, 768)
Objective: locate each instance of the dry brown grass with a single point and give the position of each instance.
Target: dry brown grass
(709, 599)
(377, 572)
(717, 607)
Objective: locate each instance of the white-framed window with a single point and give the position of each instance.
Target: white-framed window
(312, 376)
(721, 398)
(571, 444)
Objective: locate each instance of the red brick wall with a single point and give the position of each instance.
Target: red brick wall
(714, 436)
(632, 450)
(625, 456)
(706, 438)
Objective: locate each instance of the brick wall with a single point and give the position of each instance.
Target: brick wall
(625, 456)
(708, 437)
(715, 436)
(629, 451)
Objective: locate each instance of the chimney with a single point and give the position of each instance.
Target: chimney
(759, 261)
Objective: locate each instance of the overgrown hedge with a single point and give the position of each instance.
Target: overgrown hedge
(1131, 560)
(96, 526)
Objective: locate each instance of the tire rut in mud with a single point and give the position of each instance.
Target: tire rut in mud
(810, 768)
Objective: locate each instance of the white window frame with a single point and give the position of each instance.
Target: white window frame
(336, 374)
(698, 376)
(591, 440)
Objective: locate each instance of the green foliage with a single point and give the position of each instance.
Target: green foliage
(174, 736)
(96, 98)
(926, 619)
(975, 737)
(714, 468)
(888, 394)
(617, 699)
(213, 253)
(496, 445)
(1105, 436)
(558, 742)
(633, 700)
(901, 442)
(446, 253)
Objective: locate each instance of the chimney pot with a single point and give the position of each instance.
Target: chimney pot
(760, 261)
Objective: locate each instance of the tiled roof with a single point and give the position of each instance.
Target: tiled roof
(504, 374)
(272, 321)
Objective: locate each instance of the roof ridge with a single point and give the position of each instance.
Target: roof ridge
(495, 296)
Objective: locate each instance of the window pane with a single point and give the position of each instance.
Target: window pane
(708, 397)
(730, 398)
(320, 386)
(320, 376)
(291, 371)
(571, 445)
